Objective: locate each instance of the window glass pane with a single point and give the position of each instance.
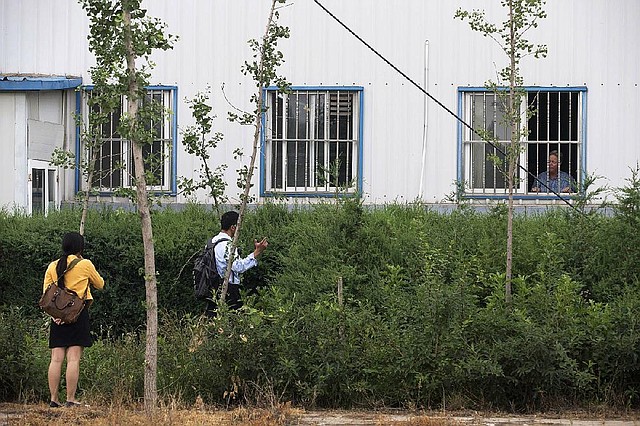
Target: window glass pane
(297, 164)
(334, 118)
(37, 191)
(542, 115)
(320, 116)
(292, 105)
(554, 116)
(51, 189)
(320, 170)
(477, 165)
(341, 115)
(276, 165)
(276, 116)
(565, 116)
(152, 154)
(303, 114)
(574, 117)
(490, 115)
(51, 181)
(503, 128)
(477, 114)
(533, 105)
(109, 165)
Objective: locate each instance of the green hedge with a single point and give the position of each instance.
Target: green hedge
(422, 322)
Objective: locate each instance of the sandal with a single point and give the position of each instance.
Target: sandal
(53, 404)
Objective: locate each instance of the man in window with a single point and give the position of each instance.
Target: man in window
(554, 179)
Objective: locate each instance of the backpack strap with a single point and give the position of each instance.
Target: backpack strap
(213, 249)
(218, 241)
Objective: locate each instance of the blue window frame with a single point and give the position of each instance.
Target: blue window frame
(312, 141)
(114, 167)
(556, 121)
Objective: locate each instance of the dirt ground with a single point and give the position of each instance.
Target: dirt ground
(41, 414)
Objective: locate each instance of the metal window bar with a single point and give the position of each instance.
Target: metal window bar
(116, 151)
(483, 175)
(566, 142)
(108, 175)
(493, 169)
(307, 152)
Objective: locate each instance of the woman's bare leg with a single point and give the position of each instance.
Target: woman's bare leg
(55, 369)
(74, 353)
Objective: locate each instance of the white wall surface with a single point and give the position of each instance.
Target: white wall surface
(7, 134)
(591, 43)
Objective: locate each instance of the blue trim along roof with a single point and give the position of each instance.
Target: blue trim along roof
(18, 83)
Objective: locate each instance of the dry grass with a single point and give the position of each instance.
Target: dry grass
(279, 415)
(41, 414)
(284, 414)
(426, 421)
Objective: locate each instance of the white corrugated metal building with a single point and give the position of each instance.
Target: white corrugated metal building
(392, 142)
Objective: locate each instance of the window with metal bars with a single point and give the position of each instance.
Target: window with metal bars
(555, 123)
(114, 167)
(312, 138)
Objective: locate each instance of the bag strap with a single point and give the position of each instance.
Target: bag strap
(219, 241)
(73, 263)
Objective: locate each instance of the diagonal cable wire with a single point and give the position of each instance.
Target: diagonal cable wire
(440, 104)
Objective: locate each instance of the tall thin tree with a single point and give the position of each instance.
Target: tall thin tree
(120, 33)
(263, 71)
(522, 15)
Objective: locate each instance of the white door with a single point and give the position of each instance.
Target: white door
(43, 179)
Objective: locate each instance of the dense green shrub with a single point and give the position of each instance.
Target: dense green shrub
(14, 363)
(421, 323)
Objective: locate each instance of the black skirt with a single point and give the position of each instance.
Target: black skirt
(76, 334)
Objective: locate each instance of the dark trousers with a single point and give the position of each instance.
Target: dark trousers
(232, 299)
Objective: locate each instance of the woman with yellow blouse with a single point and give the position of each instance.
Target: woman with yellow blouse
(69, 340)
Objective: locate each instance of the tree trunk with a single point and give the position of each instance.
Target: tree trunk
(85, 201)
(151, 353)
(512, 153)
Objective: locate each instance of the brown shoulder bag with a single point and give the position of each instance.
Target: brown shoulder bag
(62, 303)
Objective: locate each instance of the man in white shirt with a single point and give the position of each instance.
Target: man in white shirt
(228, 225)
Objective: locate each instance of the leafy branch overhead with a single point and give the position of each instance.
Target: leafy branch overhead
(267, 58)
(510, 34)
(198, 141)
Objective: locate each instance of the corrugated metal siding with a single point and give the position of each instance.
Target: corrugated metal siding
(591, 43)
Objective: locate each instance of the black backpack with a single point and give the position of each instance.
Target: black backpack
(205, 274)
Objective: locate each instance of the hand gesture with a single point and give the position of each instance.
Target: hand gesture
(260, 246)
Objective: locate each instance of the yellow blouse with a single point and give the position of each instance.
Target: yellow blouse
(78, 278)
